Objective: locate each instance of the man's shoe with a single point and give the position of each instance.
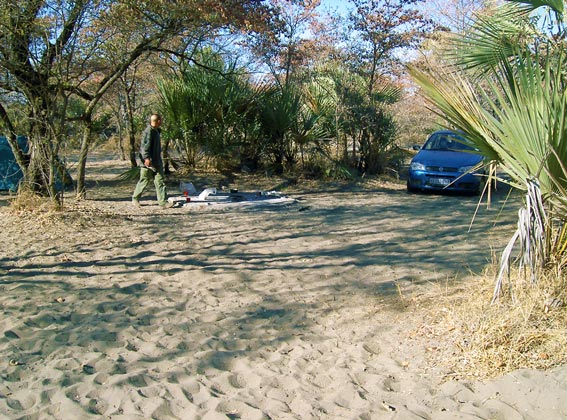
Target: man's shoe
(136, 203)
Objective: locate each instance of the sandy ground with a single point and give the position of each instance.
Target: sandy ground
(295, 312)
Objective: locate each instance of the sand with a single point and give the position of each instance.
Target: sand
(303, 311)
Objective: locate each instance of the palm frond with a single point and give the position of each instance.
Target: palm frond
(130, 175)
(557, 6)
(531, 233)
(492, 39)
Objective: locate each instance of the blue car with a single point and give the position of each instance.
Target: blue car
(442, 164)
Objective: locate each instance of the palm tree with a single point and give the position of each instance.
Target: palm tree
(281, 109)
(208, 106)
(506, 90)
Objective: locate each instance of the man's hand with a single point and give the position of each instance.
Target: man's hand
(148, 162)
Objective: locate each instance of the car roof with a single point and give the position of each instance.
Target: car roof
(446, 131)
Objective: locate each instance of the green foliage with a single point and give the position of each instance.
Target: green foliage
(364, 119)
(215, 112)
(207, 108)
(290, 119)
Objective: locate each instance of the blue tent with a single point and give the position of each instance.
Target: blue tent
(10, 172)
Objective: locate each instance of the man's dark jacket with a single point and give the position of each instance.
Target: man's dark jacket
(151, 146)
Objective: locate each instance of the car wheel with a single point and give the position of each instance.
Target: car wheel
(411, 189)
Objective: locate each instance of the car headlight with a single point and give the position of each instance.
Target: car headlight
(465, 168)
(417, 166)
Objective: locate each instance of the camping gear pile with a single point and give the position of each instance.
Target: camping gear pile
(211, 197)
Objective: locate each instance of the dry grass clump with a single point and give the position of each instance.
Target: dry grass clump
(28, 201)
(477, 339)
(38, 213)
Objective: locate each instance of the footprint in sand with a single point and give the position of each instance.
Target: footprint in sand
(372, 347)
(73, 393)
(21, 400)
(223, 360)
(210, 317)
(47, 395)
(391, 384)
(189, 386)
(41, 321)
(67, 364)
(238, 380)
(12, 335)
(150, 391)
(138, 381)
(321, 380)
(239, 410)
(101, 378)
(165, 411)
(97, 406)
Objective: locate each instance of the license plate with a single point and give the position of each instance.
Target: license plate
(440, 181)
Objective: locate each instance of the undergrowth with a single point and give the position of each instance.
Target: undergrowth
(477, 339)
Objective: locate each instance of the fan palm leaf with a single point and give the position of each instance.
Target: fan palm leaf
(492, 39)
(557, 6)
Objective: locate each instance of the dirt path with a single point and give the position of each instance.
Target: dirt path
(295, 312)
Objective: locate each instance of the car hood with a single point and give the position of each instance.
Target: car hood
(447, 158)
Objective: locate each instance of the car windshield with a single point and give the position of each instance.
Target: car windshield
(450, 142)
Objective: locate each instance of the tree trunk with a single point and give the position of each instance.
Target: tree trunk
(40, 174)
(131, 130)
(121, 140)
(81, 190)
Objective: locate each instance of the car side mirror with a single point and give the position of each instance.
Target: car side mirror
(416, 147)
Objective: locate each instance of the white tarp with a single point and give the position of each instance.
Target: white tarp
(212, 198)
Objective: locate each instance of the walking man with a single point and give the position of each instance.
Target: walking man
(152, 169)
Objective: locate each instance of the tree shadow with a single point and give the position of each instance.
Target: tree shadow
(154, 297)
